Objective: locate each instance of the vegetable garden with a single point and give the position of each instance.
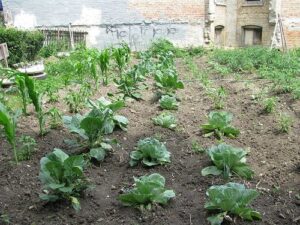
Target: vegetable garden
(164, 136)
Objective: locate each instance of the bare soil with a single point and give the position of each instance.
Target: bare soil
(274, 156)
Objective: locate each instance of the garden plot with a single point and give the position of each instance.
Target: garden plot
(184, 137)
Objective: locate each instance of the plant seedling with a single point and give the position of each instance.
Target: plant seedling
(151, 152)
(219, 124)
(165, 120)
(148, 190)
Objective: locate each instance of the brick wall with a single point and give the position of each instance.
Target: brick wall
(178, 10)
(290, 11)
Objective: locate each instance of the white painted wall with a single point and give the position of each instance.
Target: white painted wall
(107, 22)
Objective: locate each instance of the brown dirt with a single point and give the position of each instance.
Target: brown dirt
(274, 158)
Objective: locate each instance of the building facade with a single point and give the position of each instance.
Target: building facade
(231, 23)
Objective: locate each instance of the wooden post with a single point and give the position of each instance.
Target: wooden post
(4, 53)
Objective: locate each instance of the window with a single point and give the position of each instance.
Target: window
(219, 35)
(252, 35)
(253, 2)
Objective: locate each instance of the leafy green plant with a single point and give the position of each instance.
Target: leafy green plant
(231, 199)
(228, 160)
(151, 152)
(148, 190)
(55, 117)
(197, 148)
(219, 124)
(128, 84)
(167, 81)
(284, 122)
(165, 120)
(27, 148)
(94, 125)
(62, 177)
(109, 108)
(168, 102)
(218, 96)
(269, 104)
(104, 58)
(9, 123)
(75, 101)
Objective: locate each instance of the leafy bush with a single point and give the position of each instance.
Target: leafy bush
(22, 45)
(147, 190)
(161, 46)
(166, 120)
(62, 177)
(53, 48)
(219, 124)
(168, 102)
(151, 151)
(228, 160)
(231, 198)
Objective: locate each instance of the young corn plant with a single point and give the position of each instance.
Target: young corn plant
(165, 120)
(62, 177)
(121, 56)
(36, 99)
(20, 82)
(219, 125)
(9, 122)
(147, 191)
(104, 61)
(227, 161)
(150, 152)
(168, 102)
(231, 199)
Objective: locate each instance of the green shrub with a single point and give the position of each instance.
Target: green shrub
(161, 46)
(22, 45)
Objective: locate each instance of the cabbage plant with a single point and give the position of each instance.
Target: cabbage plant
(227, 161)
(148, 190)
(150, 152)
(168, 102)
(62, 177)
(219, 124)
(165, 120)
(231, 199)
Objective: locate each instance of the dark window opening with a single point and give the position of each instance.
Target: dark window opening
(252, 35)
(219, 35)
